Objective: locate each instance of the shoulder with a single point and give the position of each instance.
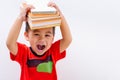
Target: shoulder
(22, 46)
(56, 43)
(21, 54)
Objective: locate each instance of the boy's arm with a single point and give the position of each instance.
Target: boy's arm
(13, 35)
(66, 34)
(65, 31)
(11, 41)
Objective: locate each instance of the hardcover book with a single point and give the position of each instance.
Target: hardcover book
(44, 23)
(42, 16)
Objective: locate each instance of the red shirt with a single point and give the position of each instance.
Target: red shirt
(34, 67)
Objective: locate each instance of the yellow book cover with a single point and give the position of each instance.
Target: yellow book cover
(42, 15)
(43, 22)
(43, 19)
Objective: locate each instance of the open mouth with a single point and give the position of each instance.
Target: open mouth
(41, 47)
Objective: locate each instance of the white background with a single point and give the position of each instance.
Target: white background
(95, 51)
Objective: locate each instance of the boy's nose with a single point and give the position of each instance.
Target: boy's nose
(41, 40)
(41, 37)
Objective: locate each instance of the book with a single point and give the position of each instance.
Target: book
(51, 21)
(42, 16)
(45, 26)
(41, 7)
(32, 15)
(44, 23)
(39, 21)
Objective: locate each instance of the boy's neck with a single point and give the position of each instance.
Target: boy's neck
(36, 53)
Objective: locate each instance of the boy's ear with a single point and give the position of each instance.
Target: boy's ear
(26, 35)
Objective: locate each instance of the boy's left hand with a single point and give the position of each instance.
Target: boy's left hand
(24, 9)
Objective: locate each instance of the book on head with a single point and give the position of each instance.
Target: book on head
(44, 22)
(42, 16)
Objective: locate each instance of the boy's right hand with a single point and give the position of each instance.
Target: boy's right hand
(24, 9)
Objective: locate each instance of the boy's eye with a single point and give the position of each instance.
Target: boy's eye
(47, 35)
(36, 34)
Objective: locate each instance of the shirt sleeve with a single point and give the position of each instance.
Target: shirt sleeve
(21, 54)
(56, 51)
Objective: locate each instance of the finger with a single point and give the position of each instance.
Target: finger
(51, 4)
(23, 4)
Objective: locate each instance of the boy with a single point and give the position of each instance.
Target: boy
(38, 61)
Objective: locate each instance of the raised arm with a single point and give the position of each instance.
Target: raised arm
(65, 31)
(15, 29)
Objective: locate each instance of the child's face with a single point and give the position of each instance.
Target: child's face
(40, 40)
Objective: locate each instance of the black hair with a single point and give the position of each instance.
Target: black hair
(27, 28)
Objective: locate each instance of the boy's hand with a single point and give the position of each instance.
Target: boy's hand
(52, 4)
(24, 9)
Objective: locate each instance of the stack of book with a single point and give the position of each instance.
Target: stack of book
(42, 16)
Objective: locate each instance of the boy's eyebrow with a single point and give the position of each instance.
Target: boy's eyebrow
(49, 32)
(35, 31)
